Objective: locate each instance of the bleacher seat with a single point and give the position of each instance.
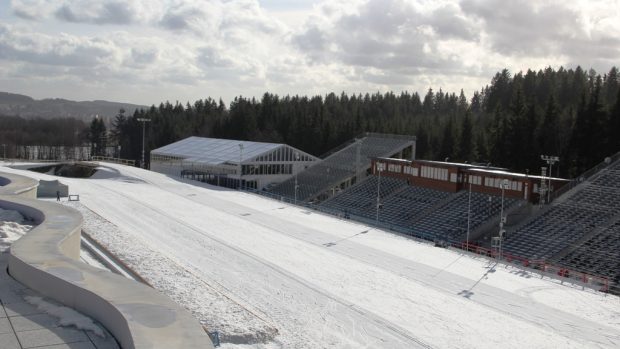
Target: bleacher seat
(422, 212)
(582, 232)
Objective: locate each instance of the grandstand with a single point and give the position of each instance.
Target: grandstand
(343, 167)
(423, 212)
(449, 221)
(580, 231)
(361, 199)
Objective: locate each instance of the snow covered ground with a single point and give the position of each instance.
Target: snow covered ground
(273, 275)
(12, 226)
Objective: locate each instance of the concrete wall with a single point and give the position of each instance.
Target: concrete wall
(46, 260)
(48, 189)
(15, 185)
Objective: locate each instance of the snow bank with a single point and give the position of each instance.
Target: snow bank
(12, 226)
(103, 172)
(66, 316)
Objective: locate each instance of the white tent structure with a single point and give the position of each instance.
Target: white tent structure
(230, 163)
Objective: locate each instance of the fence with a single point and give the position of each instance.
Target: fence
(599, 283)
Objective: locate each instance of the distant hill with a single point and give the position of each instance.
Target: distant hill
(12, 104)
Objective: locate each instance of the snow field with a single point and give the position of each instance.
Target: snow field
(181, 285)
(327, 283)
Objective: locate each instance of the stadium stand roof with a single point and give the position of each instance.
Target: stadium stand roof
(347, 162)
(215, 151)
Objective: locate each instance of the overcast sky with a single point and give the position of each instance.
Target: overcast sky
(148, 51)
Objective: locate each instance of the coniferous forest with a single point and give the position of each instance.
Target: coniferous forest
(570, 113)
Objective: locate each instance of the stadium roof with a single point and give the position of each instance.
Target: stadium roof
(216, 151)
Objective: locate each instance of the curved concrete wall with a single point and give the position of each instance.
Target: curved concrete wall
(15, 185)
(46, 260)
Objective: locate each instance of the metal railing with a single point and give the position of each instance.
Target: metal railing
(584, 176)
(114, 160)
(543, 267)
(596, 282)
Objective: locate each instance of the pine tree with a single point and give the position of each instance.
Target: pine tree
(466, 142)
(98, 136)
(614, 128)
(550, 132)
(447, 142)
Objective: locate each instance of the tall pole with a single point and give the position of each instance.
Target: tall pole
(468, 211)
(502, 219)
(543, 186)
(240, 165)
(296, 160)
(379, 169)
(3, 152)
(358, 147)
(143, 121)
(550, 160)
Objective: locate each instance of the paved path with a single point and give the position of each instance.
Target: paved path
(23, 325)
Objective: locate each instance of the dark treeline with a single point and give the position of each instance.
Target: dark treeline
(573, 114)
(14, 130)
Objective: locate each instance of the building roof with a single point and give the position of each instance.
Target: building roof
(215, 150)
(514, 174)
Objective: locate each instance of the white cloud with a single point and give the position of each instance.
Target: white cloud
(235, 47)
(549, 28)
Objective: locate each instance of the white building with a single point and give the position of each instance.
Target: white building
(230, 163)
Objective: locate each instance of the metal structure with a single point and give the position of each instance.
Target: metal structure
(550, 160)
(296, 185)
(543, 186)
(143, 121)
(240, 163)
(379, 170)
(468, 209)
(502, 220)
(231, 163)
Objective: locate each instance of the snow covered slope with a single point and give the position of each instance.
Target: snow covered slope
(274, 275)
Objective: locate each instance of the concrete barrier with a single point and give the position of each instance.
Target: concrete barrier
(15, 185)
(47, 261)
(49, 189)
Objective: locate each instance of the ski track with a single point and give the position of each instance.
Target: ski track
(328, 283)
(409, 340)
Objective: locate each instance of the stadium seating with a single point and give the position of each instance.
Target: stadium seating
(361, 199)
(581, 232)
(401, 208)
(423, 212)
(340, 166)
(600, 254)
(449, 220)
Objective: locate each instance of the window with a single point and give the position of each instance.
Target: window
(477, 180)
(394, 168)
(453, 177)
(411, 170)
(435, 173)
